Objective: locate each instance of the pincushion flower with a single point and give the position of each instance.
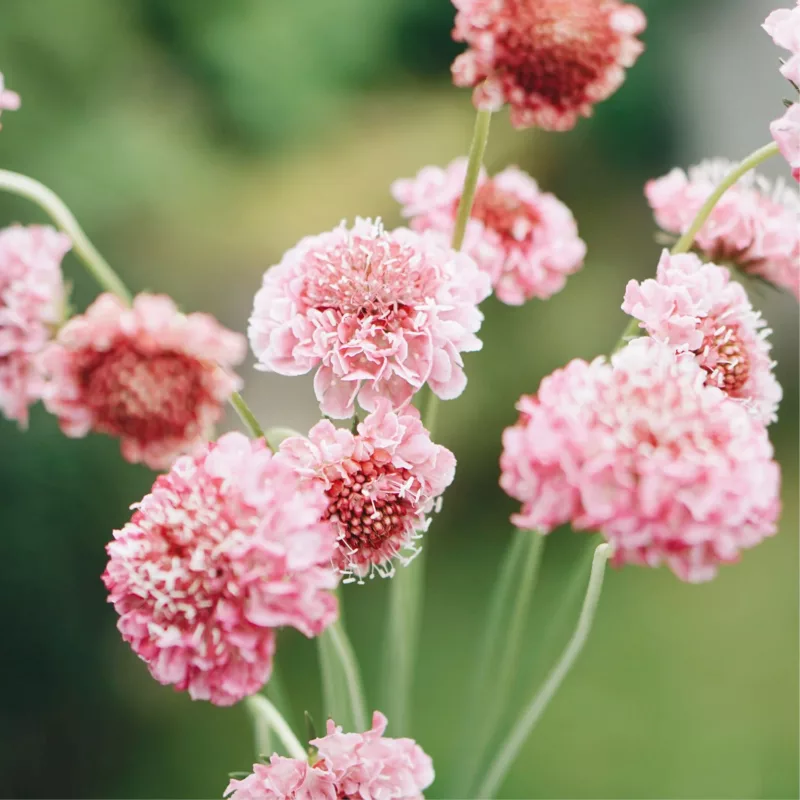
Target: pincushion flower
(150, 375)
(32, 302)
(380, 313)
(357, 766)
(670, 470)
(786, 133)
(783, 25)
(524, 239)
(696, 308)
(550, 60)
(227, 547)
(755, 225)
(381, 483)
(9, 101)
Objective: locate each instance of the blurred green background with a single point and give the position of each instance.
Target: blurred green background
(196, 141)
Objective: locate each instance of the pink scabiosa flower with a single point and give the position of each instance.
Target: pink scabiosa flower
(150, 375)
(380, 313)
(696, 308)
(524, 239)
(786, 133)
(228, 546)
(669, 469)
(755, 225)
(783, 25)
(9, 101)
(550, 60)
(284, 779)
(381, 484)
(32, 300)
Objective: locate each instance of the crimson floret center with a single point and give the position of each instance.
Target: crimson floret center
(731, 369)
(502, 211)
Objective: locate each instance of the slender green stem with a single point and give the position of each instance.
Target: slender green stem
(632, 330)
(49, 202)
(247, 416)
(351, 674)
(480, 137)
(512, 744)
(265, 714)
(431, 412)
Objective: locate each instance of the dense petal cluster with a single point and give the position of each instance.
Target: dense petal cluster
(228, 546)
(783, 25)
(696, 308)
(32, 302)
(9, 101)
(380, 313)
(668, 469)
(356, 766)
(786, 133)
(150, 375)
(755, 225)
(550, 60)
(381, 483)
(524, 239)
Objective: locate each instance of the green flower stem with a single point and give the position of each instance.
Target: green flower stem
(509, 749)
(247, 417)
(266, 716)
(49, 202)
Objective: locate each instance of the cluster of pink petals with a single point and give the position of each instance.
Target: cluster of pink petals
(228, 546)
(380, 313)
(9, 101)
(526, 240)
(696, 308)
(783, 26)
(356, 766)
(148, 374)
(381, 483)
(668, 469)
(32, 302)
(786, 133)
(755, 225)
(550, 60)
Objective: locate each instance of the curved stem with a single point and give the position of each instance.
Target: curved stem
(512, 744)
(480, 137)
(352, 676)
(265, 713)
(247, 417)
(49, 202)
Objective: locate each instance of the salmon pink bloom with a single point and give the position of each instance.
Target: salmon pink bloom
(381, 484)
(227, 547)
(755, 225)
(150, 375)
(786, 133)
(696, 308)
(669, 469)
(550, 60)
(525, 240)
(32, 302)
(380, 313)
(284, 779)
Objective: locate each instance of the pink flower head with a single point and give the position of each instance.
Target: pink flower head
(355, 766)
(755, 225)
(227, 547)
(668, 469)
(786, 133)
(381, 484)
(9, 101)
(150, 375)
(525, 240)
(696, 308)
(381, 313)
(32, 301)
(550, 60)
(783, 26)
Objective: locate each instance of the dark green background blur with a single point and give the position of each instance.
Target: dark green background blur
(196, 141)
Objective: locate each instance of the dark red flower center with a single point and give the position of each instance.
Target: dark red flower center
(725, 358)
(504, 212)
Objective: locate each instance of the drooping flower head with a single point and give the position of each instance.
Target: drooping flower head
(9, 101)
(755, 225)
(668, 469)
(524, 239)
(381, 483)
(32, 302)
(228, 547)
(696, 308)
(150, 375)
(786, 133)
(380, 313)
(550, 60)
(783, 26)
(356, 766)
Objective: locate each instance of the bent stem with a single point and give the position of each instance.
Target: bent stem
(248, 418)
(480, 136)
(266, 716)
(512, 744)
(49, 202)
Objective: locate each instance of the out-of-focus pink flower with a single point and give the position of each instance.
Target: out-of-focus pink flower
(228, 546)
(9, 101)
(783, 26)
(696, 308)
(668, 469)
(786, 133)
(380, 313)
(550, 60)
(381, 484)
(32, 302)
(524, 239)
(150, 375)
(284, 779)
(755, 225)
